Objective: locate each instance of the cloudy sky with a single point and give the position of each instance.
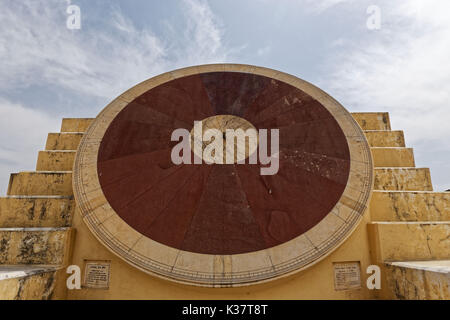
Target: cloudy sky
(48, 71)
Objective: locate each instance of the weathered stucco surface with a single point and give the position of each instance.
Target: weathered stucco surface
(35, 284)
(34, 246)
(55, 183)
(403, 241)
(63, 141)
(373, 120)
(29, 212)
(393, 157)
(404, 179)
(383, 138)
(55, 160)
(75, 124)
(410, 206)
(419, 280)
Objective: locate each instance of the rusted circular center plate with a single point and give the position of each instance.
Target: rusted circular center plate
(223, 224)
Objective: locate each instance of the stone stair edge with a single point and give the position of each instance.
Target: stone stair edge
(411, 192)
(40, 172)
(410, 222)
(37, 197)
(425, 265)
(391, 148)
(68, 151)
(370, 112)
(400, 168)
(68, 132)
(366, 130)
(34, 229)
(69, 118)
(8, 272)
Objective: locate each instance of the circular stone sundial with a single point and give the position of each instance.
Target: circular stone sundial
(222, 224)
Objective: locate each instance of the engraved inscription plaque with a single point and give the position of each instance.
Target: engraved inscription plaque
(347, 276)
(97, 274)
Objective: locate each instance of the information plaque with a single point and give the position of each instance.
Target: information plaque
(347, 276)
(97, 274)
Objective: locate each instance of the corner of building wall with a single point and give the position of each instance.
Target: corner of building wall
(61, 292)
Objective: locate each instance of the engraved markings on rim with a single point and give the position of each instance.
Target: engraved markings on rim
(222, 270)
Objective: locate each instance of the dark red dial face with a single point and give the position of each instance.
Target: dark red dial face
(223, 209)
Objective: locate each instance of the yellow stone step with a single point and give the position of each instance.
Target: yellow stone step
(403, 179)
(36, 211)
(27, 282)
(369, 121)
(51, 183)
(75, 124)
(410, 206)
(385, 138)
(366, 120)
(35, 245)
(393, 157)
(418, 280)
(398, 241)
(63, 141)
(61, 160)
(372, 120)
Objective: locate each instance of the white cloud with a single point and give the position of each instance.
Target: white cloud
(264, 51)
(322, 5)
(22, 134)
(36, 48)
(203, 34)
(311, 6)
(404, 69)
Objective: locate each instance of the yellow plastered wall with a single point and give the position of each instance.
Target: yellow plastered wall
(316, 282)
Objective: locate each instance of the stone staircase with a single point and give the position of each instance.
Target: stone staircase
(410, 228)
(409, 232)
(35, 220)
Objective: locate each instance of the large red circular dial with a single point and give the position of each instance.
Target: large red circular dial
(223, 209)
(223, 224)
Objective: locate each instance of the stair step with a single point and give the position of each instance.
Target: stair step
(51, 183)
(61, 160)
(366, 120)
(385, 138)
(419, 280)
(373, 120)
(438, 266)
(393, 157)
(403, 179)
(35, 245)
(398, 241)
(76, 124)
(410, 206)
(63, 141)
(20, 271)
(29, 211)
(25, 282)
